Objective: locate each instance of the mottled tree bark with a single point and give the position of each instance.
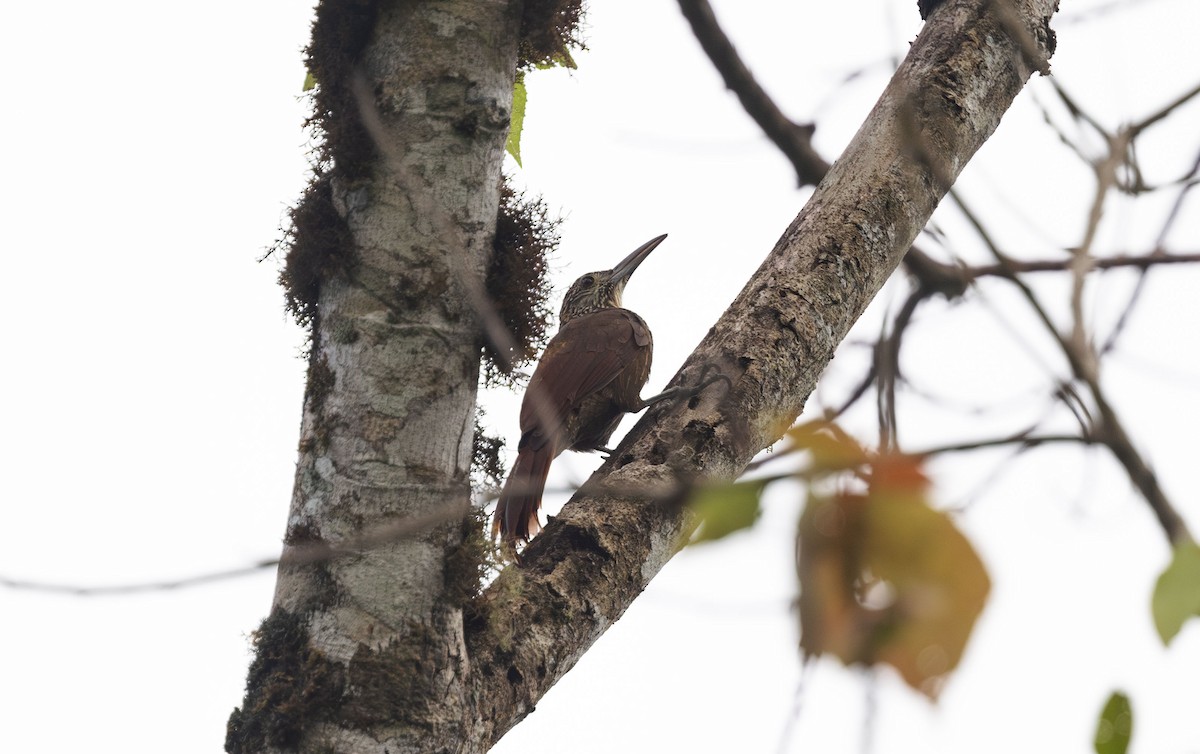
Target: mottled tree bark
(368, 653)
(388, 416)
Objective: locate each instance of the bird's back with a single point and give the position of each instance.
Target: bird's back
(592, 372)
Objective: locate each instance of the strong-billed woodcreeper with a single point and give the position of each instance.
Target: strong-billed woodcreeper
(590, 375)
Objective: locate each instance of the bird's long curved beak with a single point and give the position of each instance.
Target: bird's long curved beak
(626, 266)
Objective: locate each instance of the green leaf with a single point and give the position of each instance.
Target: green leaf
(310, 82)
(513, 145)
(1177, 592)
(1115, 726)
(726, 508)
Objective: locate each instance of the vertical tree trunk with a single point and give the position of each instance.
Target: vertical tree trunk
(365, 653)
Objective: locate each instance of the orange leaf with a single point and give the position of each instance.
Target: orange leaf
(885, 578)
(832, 449)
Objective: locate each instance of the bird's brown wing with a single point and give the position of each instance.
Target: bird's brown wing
(586, 354)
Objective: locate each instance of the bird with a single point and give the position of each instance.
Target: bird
(590, 375)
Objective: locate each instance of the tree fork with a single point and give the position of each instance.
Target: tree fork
(372, 653)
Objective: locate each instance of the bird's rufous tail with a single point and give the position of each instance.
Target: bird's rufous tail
(516, 515)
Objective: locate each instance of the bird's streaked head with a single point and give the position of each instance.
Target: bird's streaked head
(602, 290)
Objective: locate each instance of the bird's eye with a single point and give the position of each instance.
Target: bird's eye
(588, 281)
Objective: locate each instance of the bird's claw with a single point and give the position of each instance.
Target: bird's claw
(706, 380)
(681, 391)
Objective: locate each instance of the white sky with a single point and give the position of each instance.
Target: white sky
(154, 383)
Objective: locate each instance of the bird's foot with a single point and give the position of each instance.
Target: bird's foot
(706, 379)
(684, 391)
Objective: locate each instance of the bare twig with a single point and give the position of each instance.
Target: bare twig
(1137, 128)
(293, 555)
(1006, 265)
(1075, 109)
(118, 590)
(1048, 119)
(1022, 439)
(857, 393)
(1140, 261)
(1082, 262)
(1111, 432)
(1154, 257)
(793, 139)
(1187, 183)
(887, 368)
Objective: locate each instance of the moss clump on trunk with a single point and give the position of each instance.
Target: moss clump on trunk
(289, 687)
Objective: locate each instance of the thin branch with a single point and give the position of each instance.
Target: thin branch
(117, 590)
(1111, 341)
(1025, 441)
(793, 139)
(1069, 396)
(293, 556)
(1048, 119)
(1113, 434)
(1141, 261)
(887, 367)
(1075, 109)
(859, 390)
(1188, 182)
(1006, 265)
(1150, 120)
(1081, 256)
(1157, 255)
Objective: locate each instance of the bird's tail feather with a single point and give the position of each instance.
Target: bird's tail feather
(517, 509)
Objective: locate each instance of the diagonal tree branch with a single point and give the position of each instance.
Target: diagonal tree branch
(583, 571)
(793, 139)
